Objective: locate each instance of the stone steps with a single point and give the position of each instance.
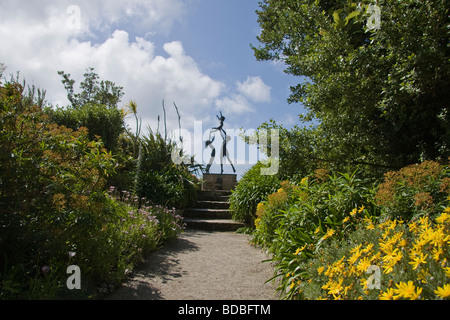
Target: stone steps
(211, 212)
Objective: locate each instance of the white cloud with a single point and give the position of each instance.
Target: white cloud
(234, 104)
(40, 42)
(255, 89)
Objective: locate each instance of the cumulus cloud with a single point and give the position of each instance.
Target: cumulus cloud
(40, 38)
(255, 89)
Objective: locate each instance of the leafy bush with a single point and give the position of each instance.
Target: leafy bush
(100, 120)
(251, 189)
(411, 260)
(55, 211)
(416, 190)
(174, 187)
(316, 202)
(324, 233)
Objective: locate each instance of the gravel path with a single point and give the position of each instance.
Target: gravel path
(202, 266)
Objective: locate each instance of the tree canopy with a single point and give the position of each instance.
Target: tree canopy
(380, 92)
(93, 91)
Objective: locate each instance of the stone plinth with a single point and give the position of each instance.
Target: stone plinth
(213, 181)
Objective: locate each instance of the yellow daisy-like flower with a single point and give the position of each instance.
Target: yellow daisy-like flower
(354, 211)
(363, 264)
(412, 226)
(418, 260)
(388, 295)
(407, 290)
(443, 292)
(370, 226)
(447, 271)
(436, 253)
(329, 233)
(368, 248)
(320, 269)
(300, 249)
(445, 216)
(346, 219)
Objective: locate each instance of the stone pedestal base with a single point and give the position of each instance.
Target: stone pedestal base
(213, 182)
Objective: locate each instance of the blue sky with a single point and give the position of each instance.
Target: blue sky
(195, 53)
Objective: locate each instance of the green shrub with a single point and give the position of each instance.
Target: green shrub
(55, 211)
(318, 224)
(251, 189)
(413, 191)
(173, 187)
(411, 260)
(316, 202)
(100, 120)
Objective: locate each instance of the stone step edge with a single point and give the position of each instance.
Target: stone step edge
(204, 213)
(212, 225)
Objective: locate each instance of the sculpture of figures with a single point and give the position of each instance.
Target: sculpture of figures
(224, 151)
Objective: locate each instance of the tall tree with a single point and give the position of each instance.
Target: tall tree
(93, 91)
(377, 74)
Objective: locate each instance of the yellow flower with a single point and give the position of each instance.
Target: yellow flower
(300, 249)
(346, 219)
(443, 292)
(436, 253)
(368, 248)
(388, 295)
(329, 233)
(320, 270)
(443, 217)
(361, 209)
(355, 249)
(335, 287)
(260, 209)
(392, 225)
(412, 226)
(422, 276)
(391, 259)
(447, 271)
(407, 290)
(370, 226)
(317, 230)
(354, 211)
(354, 257)
(363, 265)
(417, 260)
(403, 243)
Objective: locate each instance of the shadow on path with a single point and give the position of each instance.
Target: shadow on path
(201, 266)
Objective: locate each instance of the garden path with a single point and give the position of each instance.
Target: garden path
(202, 265)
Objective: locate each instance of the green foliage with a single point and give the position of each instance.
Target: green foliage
(157, 177)
(414, 191)
(251, 189)
(55, 212)
(173, 187)
(100, 120)
(379, 94)
(318, 221)
(93, 92)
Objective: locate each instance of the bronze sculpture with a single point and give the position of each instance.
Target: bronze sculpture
(224, 151)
